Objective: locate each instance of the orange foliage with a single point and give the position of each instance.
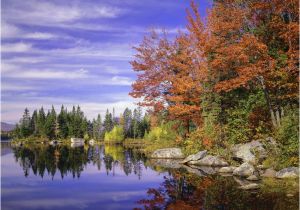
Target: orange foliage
(239, 43)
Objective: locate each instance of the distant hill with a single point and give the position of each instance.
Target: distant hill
(7, 127)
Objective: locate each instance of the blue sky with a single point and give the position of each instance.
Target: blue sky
(77, 52)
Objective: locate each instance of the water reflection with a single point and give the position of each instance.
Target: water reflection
(63, 159)
(112, 177)
(181, 190)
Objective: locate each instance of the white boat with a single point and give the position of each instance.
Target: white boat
(92, 142)
(77, 140)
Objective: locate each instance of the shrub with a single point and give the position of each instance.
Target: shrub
(115, 135)
(288, 137)
(164, 132)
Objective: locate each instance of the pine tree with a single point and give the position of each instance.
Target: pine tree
(62, 120)
(97, 127)
(127, 117)
(41, 122)
(25, 128)
(50, 125)
(108, 122)
(34, 123)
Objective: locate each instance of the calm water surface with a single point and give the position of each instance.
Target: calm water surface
(111, 177)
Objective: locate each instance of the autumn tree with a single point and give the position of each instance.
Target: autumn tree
(151, 64)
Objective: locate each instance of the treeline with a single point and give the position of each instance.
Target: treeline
(228, 78)
(67, 124)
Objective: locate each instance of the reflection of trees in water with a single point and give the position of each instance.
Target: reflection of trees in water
(186, 191)
(68, 160)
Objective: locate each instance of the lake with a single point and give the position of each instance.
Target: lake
(112, 177)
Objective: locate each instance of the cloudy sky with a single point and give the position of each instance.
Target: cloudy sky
(76, 52)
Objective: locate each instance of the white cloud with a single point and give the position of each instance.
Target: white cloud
(8, 30)
(48, 13)
(39, 35)
(122, 80)
(15, 87)
(16, 47)
(47, 74)
(23, 60)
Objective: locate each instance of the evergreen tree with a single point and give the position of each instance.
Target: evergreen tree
(108, 122)
(127, 117)
(71, 122)
(62, 120)
(41, 122)
(34, 123)
(25, 128)
(97, 127)
(50, 124)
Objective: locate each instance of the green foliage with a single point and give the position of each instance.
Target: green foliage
(115, 135)
(86, 136)
(238, 127)
(108, 122)
(162, 133)
(288, 137)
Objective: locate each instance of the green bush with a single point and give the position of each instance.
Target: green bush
(288, 137)
(237, 128)
(164, 132)
(115, 135)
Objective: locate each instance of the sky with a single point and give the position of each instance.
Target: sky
(75, 52)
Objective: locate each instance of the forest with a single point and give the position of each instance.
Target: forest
(67, 124)
(228, 78)
(225, 79)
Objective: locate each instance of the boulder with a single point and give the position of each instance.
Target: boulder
(207, 170)
(290, 172)
(194, 171)
(241, 181)
(209, 160)
(252, 178)
(246, 152)
(251, 186)
(172, 153)
(194, 157)
(228, 169)
(244, 170)
(165, 163)
(270, 172)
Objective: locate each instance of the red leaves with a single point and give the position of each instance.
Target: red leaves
(240, 41)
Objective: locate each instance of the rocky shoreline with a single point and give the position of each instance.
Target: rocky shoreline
(247, 173)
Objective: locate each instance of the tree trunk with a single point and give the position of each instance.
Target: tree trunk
(267, 97)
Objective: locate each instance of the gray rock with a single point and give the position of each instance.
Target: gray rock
(194, 171)
(208, 170)
(194, 157)
(251, 186)
(228, 169)
(172, 153)
(244, 170)
(166, 163)
(246, 152)
(252, 178)
(241, 181)
(270, 172)
(290, 172)
(261, 167)
(209, 160)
